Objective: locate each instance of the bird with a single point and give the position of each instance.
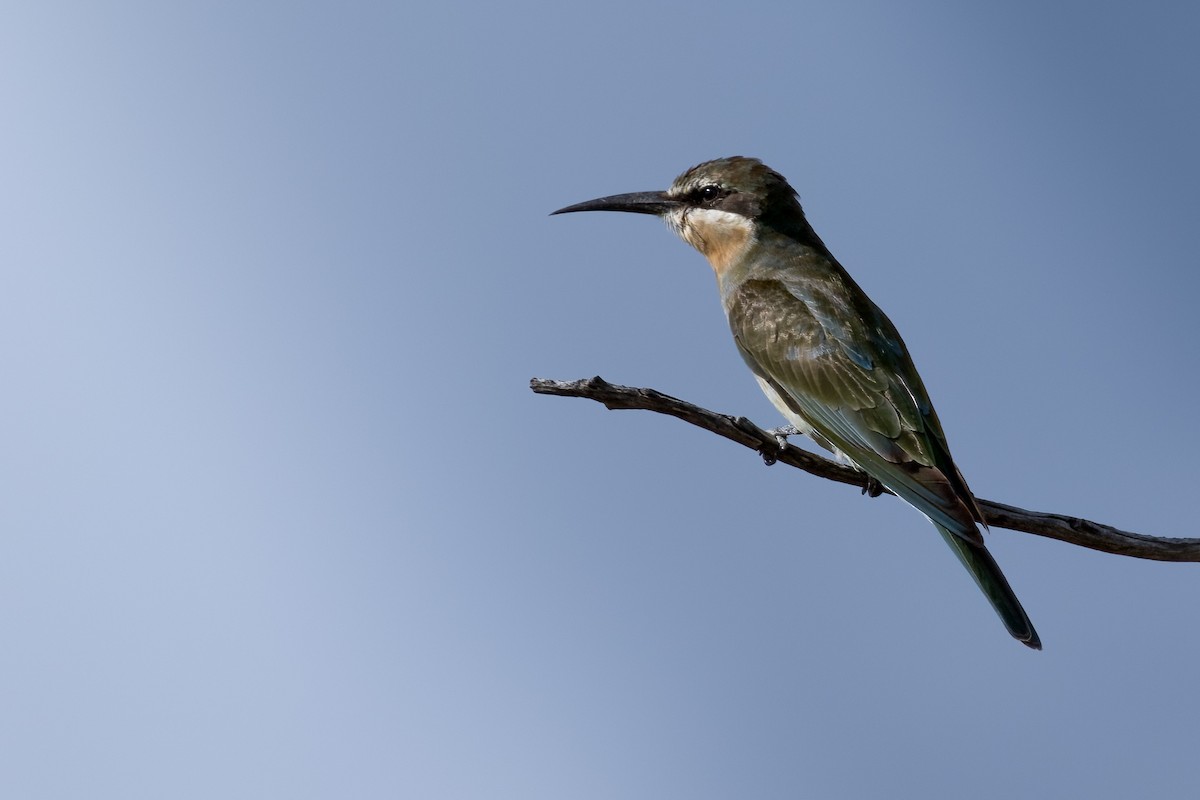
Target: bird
(825, 355)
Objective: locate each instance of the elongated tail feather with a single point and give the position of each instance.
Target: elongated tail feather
(991, 581)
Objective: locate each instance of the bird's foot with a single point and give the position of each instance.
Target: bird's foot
(873, 487)
(771, 454)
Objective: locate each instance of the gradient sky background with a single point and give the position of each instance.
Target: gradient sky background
(281, 517)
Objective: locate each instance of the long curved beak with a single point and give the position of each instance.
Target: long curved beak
(656, 203)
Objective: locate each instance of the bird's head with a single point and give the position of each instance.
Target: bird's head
(716, 206)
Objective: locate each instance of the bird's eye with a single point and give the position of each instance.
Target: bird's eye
(710, 193)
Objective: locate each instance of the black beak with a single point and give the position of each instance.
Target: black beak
(656, 203)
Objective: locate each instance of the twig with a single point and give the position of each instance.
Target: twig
(1073, 530)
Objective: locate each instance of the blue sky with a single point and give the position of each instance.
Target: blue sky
(282, 518)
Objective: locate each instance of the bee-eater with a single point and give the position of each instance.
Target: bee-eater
(826, 356)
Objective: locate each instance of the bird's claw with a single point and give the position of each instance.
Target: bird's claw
(769, 455)
(873, 487)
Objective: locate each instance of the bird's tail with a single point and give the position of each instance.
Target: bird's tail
(991, 581)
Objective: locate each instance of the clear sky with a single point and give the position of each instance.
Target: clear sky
(281, 517)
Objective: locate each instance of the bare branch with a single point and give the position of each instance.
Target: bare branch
(1073, 530)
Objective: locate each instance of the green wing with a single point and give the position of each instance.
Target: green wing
(856, 386)
(840, 365)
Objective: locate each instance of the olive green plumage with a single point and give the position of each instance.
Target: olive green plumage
(827, 357)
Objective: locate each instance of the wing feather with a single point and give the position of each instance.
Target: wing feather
(856, 387)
